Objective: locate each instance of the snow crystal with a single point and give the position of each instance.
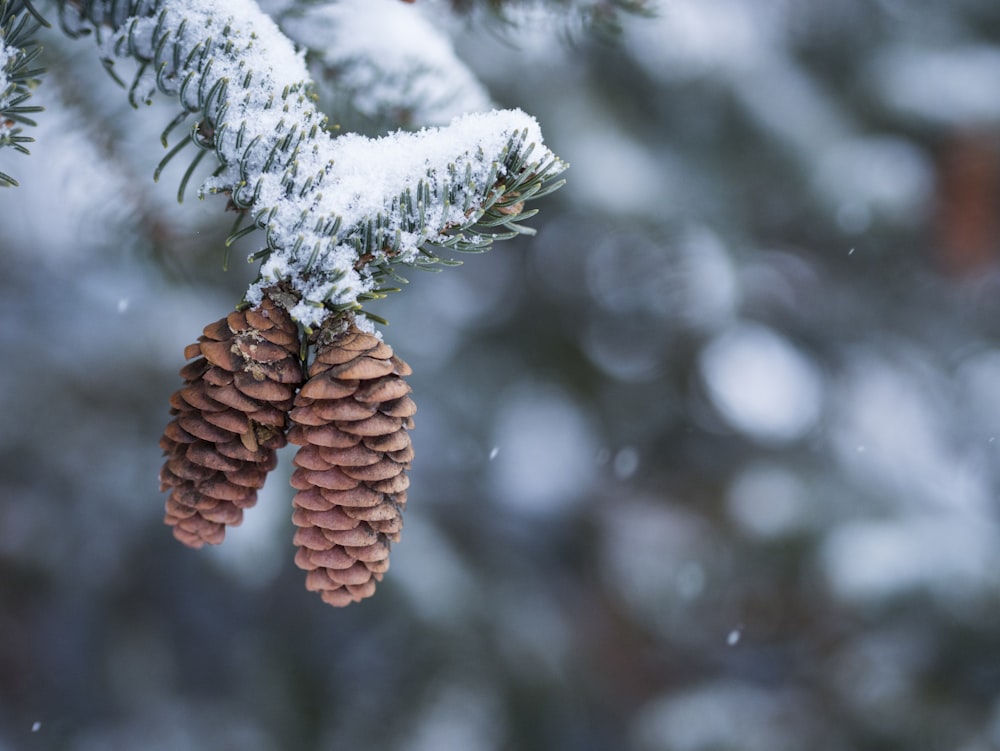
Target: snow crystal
(363, 176)
(266, 48)
(321, 199)
(385, 54)
(8, 55)
(368, 172)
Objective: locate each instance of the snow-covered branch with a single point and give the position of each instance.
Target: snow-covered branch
(8, 57)
(338, 212)
(18, 50)
(603, 17)
(384, 60)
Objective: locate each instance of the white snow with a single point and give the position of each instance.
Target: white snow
(367, 173)
(8, 55)
(385, 55)
(320, 197)
(364, 176)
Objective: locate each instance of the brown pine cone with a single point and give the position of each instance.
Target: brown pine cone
(230, 417)
(350, 420)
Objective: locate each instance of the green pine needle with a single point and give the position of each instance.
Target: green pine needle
(19, 20)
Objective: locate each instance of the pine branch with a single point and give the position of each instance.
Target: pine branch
(603, 17)
(383, 60)
(339, 214)
(18, 49)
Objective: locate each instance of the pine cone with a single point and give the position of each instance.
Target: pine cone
(230, 417)
(350, 420)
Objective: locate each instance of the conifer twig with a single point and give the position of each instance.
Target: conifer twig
(18, 50)
(338, 213)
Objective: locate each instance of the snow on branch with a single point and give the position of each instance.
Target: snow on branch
(385, 60)
(338, 213)
(601, 16)
(18, 50)
(8, 57)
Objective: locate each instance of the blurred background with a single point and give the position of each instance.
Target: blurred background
(709, 463)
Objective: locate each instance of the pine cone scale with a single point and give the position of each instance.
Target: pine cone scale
(331, 558)
(376, 425)
(378, 513)
(246, 394)
(383, 390)
(229, 420)
(362, 368)
(324, 386)
(257, 385)
(357, 455)
(231, 397)
(217, 330)
(327, 479)
(342, 409)
(384, 469)
(204, 453)
(333, 519)
(346, 519)
(361, 496)
(260, 351)
(390, 442)
(391, 484)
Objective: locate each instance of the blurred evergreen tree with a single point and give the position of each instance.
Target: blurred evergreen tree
(708, 464)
